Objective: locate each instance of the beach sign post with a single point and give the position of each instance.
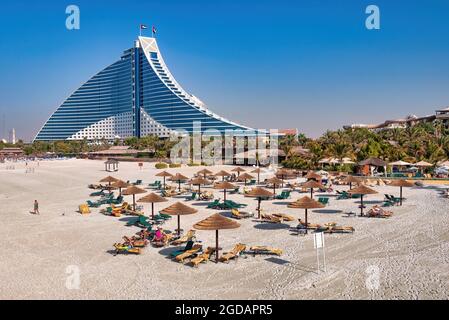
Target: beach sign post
(318, 243)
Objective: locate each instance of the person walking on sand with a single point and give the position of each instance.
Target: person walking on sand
(36, 207)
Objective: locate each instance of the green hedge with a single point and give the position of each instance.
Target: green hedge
(161, 165)
(175, 165)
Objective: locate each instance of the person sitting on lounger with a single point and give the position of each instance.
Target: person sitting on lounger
(159, 236)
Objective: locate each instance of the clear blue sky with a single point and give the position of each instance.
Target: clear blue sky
(268, 64)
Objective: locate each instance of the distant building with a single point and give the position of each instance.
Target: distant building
(411, 120)
(6, 153)
(136, 96)
(12, 136)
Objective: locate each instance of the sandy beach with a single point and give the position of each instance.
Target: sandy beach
(407, 255)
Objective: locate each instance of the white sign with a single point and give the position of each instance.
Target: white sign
(318, 240)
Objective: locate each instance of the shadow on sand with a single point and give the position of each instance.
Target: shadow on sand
(271, 226)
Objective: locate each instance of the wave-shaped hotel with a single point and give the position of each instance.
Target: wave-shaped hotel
(135, 96)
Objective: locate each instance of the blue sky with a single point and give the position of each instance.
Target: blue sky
(309, 64)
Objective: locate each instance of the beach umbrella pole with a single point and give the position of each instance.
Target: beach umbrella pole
(258, 178)
(216, 246)
(307, 226)
(400, 196)
(179, 225)
(224, 194)
(361, 205)
(134, 202)
(259, 200)
(311, 193)
(152, 210)
(164, 182)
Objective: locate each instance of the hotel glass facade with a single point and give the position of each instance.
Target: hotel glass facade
(135, 96)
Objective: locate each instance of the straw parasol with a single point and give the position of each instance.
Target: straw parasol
(238, 170)
(216, 222)
(362, 190)
(306, 203)
(152, 198)
(109, 180)
(275, 181)
(258, 171)
(350, 180)
(224, 186)
(179, 209)
(259, 193)
(423, 164)
(120, 184)
(282, 173)
(199, 182)
(179, 178)
(313, 176)
(204, 172)
(399, 163)
(222, 174)
(133, 190)
(401, 183)
(312, 184)
(245, 177)
(164, 174)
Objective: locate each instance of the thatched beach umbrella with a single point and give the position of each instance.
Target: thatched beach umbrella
(313, 176)
(258, 171)
(222, 174)
(120, 184)
(423, 164)
(179, 209)
(245, 177)
(275, 181)
(351, 179)
(152, 198)
(204, 172)
(282, 173)
(362, 190)
(306, 203)
(401, 183)
(259, 193)
(312, 184)
(179, 178)
(216, 222)
(225, 186)
(133, 190)
(199, 182)
(164, 174)
(238, 170)
(109, 180)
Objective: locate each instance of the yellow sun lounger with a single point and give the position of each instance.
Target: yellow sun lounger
(234, 253)
(188, 236)
(284, 216)
(204, 257)
(188, 254)
(265, 250)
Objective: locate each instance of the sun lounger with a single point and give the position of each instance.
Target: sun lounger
(137, 183)
(264, 250)
(269, 218)
(185, 238)
(93, 204)
(310, 226)
(237, 214)
(203, 257)
(284, 217)
(189, 246)
(283, 196)
(323, 200)
(84, 209)
(188, 254)
(378, 212)
(234, 253)
(334, 228)
(137, 243)
(214, 204)
(97, 194)
(123, 248)
(164, 242)
(192, 197)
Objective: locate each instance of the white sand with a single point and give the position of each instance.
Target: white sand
(410, 250)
